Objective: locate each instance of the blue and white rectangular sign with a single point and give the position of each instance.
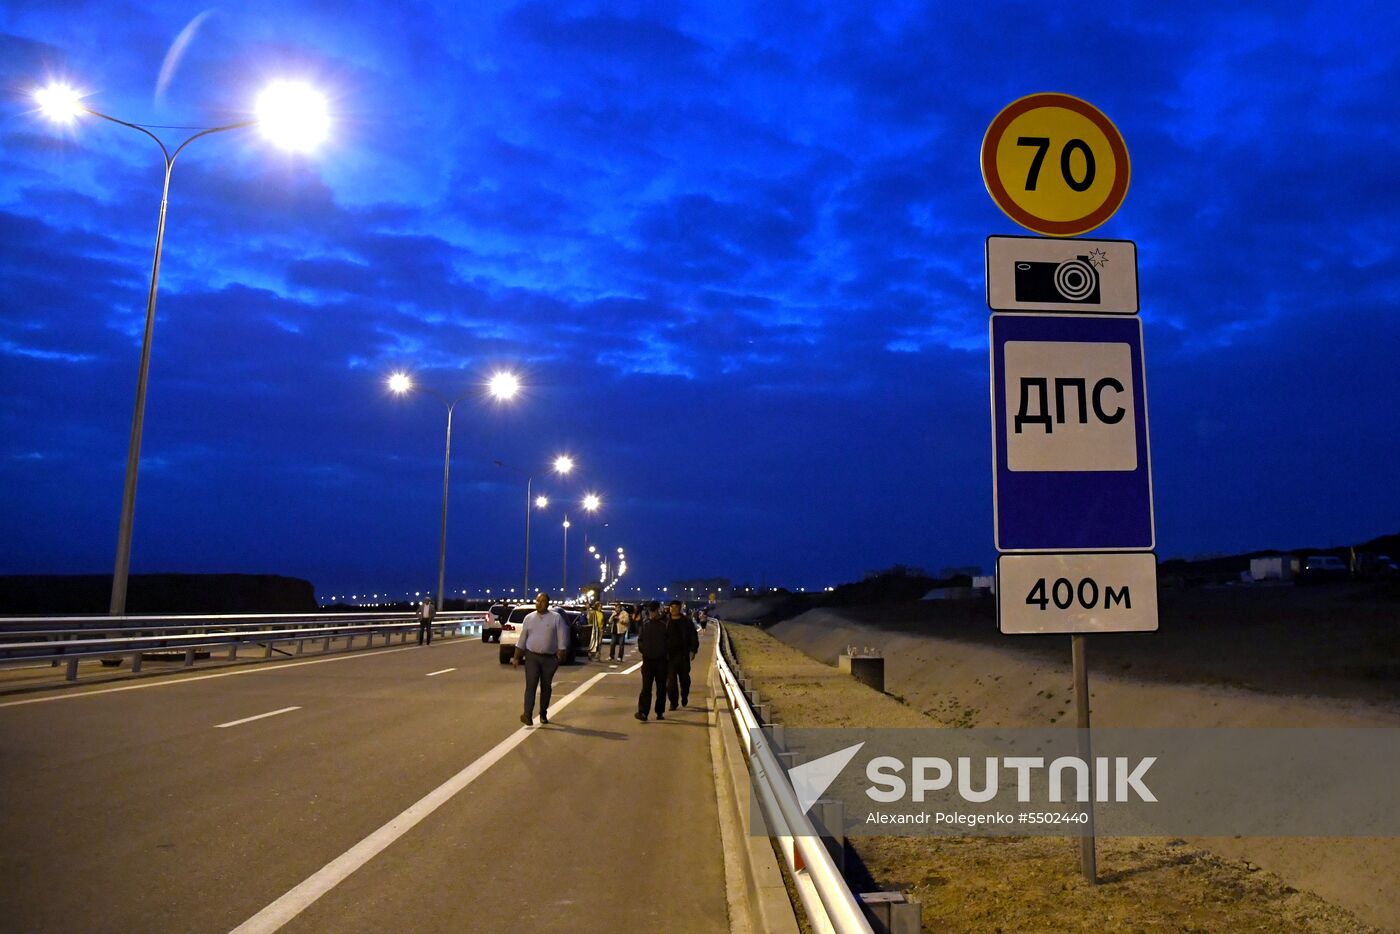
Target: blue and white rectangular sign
(1070, 464)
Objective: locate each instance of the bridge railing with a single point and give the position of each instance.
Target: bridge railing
(68, 640)
(828, 901)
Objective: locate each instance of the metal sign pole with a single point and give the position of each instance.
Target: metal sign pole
(1087, 860)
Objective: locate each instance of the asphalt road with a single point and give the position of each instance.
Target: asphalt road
(397, 795)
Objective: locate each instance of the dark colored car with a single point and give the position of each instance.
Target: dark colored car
(1323, 569)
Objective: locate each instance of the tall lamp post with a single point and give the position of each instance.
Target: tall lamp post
(502, 386)
(591, 504)
(291, 115)
(561, 465)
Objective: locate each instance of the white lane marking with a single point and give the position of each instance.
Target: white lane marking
(442, 672)
(627, 671)
(298, 899)
(270, 713)
(262, 669)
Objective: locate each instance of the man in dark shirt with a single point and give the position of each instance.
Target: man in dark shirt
(651, 643)
(682, 644)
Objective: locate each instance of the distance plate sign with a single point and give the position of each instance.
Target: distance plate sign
(1077, 593)
(1071, 469)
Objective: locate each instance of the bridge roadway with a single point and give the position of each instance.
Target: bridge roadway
(130, 808)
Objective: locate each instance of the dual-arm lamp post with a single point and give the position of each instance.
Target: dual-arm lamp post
(502, 386)
(291, 115)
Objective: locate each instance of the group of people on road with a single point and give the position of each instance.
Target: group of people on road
(605, 627)
(668, 642)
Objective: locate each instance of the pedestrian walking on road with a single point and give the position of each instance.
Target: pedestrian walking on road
(426, 612)
(651, 642)
(619, 623)
(682, 645)
(543, 643)
(596, 633)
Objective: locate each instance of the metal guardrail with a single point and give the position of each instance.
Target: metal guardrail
(828, 901)
(26, 640)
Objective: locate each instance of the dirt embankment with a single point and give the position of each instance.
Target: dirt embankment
(1032, 884)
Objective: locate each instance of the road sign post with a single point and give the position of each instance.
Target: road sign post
(1071, 468)
(1088, 861)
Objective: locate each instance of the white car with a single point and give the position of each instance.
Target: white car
(510, 630)
(491, 623)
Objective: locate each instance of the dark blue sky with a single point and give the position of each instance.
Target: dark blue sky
(735, 252)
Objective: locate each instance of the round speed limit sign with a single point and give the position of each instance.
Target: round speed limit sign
(1055, 164)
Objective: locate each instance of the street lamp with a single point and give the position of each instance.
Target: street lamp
(290, 114)
(591, 503)
(562, 465)
(564, 590)
(501, 386)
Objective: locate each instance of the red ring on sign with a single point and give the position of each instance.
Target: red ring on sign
(1003, 199)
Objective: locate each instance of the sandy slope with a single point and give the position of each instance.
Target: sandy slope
(962, 682)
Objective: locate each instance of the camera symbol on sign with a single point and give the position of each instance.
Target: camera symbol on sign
(1072, 281)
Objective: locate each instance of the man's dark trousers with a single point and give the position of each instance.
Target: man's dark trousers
(539, 670)
(678, 680)
(653, 674)
(425, 628)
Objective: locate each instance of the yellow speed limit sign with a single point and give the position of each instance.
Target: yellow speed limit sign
(1055, 164)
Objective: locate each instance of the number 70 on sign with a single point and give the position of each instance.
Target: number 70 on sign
(1055, 164)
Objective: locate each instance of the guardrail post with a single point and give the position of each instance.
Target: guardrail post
(774, 733)
(189, 658)
(301, 646)
(136, 662)
(830, 818)
(268, 653)
(72, 674)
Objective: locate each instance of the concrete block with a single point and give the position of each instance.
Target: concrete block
(868, 670)
(892, 912)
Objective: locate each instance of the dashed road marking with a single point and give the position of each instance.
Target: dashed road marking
(270, 713)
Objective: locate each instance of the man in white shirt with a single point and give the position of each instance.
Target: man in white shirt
(543, 644)
(619, 623)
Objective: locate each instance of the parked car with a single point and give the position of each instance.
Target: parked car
(510, 631)
(492, 623)
(1320, 569)
(1373, 566)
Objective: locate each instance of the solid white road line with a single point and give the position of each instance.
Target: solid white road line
(337, 870)
(261, 669)
(442, 672)
(270, 713)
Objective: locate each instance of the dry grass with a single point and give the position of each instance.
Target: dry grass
(1031, 884)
